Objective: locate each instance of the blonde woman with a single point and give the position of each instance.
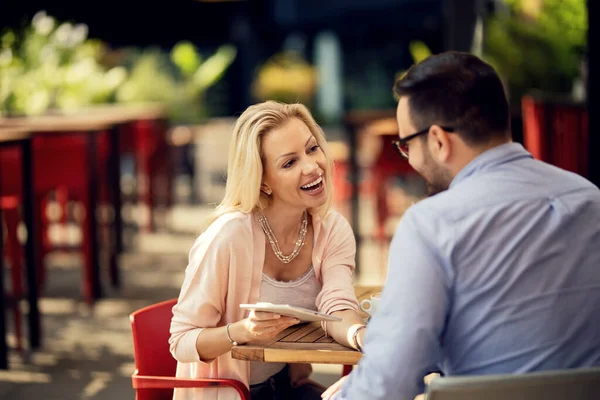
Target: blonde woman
(273, 238)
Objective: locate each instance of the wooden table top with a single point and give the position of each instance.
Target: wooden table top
(119, 113)
(55, 123)
(13, 134)
(361, 117)
(304, 343)
(89, 119)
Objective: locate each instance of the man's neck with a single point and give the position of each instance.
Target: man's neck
(469, 153)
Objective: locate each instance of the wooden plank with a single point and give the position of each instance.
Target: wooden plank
(318, 353)
(126, 112)
(13, 134)
(255, 351)
(56, 124)
(300, 333)
(363, 292)
(335, 346)
(92, 118)
(248, 353)
(313, 336)
(325, 339)
(360, 117)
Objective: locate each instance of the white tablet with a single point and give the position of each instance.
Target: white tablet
(303, 314)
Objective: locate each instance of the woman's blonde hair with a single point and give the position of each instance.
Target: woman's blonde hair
(245, 166)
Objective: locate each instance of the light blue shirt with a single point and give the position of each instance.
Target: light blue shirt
(498, 274)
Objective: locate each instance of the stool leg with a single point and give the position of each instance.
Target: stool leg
(40, 236)
(62, 200)
(346, 370)
(13, 246)
(382, 209)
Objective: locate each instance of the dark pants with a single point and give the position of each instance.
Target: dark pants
(279, 387)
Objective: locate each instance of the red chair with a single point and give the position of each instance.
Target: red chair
(146, 140)
(10, 199)
(154, 377)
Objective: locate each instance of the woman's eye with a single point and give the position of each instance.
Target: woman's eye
(288, 164)
(314, 148)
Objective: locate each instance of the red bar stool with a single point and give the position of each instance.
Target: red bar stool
(60, 166)
(146, 141)
(556, 131)
(10, 179)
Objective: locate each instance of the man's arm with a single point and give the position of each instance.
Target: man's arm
(402, 341)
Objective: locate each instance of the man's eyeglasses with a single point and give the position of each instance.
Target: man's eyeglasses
(402, 145)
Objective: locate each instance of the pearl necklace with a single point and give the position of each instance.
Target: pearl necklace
(275, 244)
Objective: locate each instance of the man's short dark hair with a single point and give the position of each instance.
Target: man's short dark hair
(459, 90)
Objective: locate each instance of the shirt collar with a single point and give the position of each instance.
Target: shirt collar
(496, 155)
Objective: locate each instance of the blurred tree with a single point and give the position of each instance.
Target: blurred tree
(51, 65)
(537, 44)
(286, 77)
(55, 66)
(178, 78)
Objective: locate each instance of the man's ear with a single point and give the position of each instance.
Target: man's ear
(439, 144)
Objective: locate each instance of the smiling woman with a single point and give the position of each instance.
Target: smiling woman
(272, 239)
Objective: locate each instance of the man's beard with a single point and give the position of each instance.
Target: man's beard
(436, 177)
(433, 188)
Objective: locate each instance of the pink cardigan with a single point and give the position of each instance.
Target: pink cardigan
(225, 270)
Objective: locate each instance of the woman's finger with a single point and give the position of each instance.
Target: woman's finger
(283, 321)
(263, 316)
(333, 389)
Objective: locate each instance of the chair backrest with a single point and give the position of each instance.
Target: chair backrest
(571, 384)
(150, 327)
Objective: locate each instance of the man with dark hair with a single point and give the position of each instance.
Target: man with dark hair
(498, 271)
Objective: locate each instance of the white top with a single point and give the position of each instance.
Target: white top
(301, 292)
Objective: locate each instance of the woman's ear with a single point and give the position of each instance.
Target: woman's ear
(266, 189)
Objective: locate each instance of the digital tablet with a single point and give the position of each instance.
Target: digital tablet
(303, 314)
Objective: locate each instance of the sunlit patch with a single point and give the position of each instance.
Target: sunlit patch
(24, 377)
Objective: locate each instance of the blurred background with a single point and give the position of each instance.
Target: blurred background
(115, 119)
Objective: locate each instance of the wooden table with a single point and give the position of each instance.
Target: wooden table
(74, 125)
(305, 343)
(21, 138)
(111, 117)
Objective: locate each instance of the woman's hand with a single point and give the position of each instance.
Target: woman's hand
(333, 390)
(263, 326)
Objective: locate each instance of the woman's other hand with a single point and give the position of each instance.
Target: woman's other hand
(299, 373)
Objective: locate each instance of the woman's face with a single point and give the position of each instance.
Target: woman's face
(294, 166)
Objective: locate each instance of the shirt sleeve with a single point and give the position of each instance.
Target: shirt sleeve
(403, 338)
(337, 269)
(201, 300)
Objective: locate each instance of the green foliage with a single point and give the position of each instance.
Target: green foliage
(178, 79)
(52, 66)
(537, 48)
(186, 57)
